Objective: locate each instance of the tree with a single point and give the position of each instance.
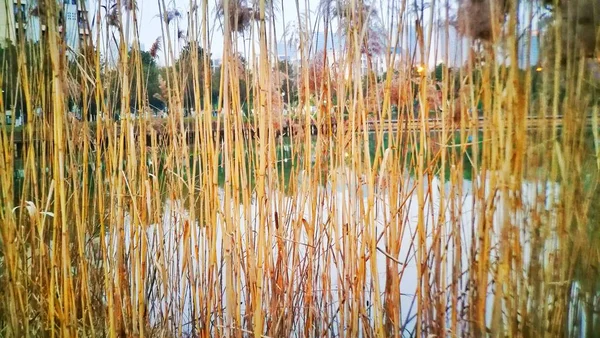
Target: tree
(185, 67)
(39, 71)
(10, 89)
(149, 81)
(289, 87)
(279, 82)
(475, 17)
(580, 27)
(151, 72)
(355, 18)
(579, 30)
(242, 13)
(238, 63)
(321, 78)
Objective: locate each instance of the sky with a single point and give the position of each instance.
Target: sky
(286, 19)
(150, 26)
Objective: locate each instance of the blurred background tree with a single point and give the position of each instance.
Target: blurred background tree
(185, 67)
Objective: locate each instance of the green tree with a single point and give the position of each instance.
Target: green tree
(289, 86)
(38, 69)
(244, 79)
(149, 80)
(9, 71)
(192, 55)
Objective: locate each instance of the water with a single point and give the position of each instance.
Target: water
(339, 203)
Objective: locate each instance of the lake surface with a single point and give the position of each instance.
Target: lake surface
(339, 212)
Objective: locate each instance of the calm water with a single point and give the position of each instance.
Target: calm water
(336, 200)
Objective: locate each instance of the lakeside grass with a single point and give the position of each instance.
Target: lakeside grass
(376, 233)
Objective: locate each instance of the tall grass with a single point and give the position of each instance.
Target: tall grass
(465, 217)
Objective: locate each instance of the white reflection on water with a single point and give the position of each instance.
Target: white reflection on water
(170, 298)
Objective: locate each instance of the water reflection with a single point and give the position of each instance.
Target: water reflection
(342, 227)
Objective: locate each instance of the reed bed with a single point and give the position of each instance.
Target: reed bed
(205, 226)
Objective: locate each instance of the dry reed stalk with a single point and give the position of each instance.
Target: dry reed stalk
(114, 258)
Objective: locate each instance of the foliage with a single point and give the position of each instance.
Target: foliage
(191, 62)
(579, 30)
(242, 13)
(353, 16)
(476, 17)
(244, 81)
(149, 80)
(322, 77)
(36, 66)
(11, 93)
(289, 80)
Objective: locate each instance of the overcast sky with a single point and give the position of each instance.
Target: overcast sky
(286, 16)
(150, 25)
